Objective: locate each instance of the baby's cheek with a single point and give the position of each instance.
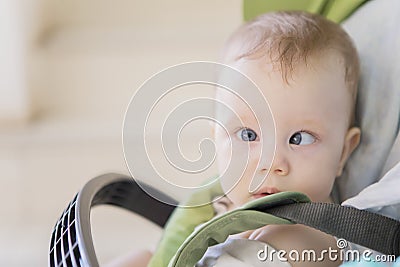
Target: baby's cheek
(316, 185)
(236, 192)
(320, 191)
(225, 185)
(320, 178)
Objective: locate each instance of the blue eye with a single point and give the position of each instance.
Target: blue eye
(301, 139)
(247, 134)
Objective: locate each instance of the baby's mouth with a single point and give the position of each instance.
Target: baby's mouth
(263, 192)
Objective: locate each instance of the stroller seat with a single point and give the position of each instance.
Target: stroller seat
(374, 28)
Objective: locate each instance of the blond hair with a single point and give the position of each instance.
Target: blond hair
(291, 37)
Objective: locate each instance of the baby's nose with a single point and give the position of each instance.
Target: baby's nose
(279, 168)
(280, 164)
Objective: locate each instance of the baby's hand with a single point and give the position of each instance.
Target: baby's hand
(222, 205)
(297, 237)
(244, 235)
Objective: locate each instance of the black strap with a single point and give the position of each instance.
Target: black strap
(365, 228)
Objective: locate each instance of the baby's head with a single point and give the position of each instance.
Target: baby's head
(307, 68)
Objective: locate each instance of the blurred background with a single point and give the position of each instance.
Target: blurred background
(67, 72)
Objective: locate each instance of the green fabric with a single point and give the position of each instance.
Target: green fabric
(335, 10)
(239, 220)
(182, 223)
(339, 10)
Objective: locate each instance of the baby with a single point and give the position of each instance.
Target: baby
(307, 69)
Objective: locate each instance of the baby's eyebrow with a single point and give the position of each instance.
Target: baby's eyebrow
(310, 121)
(234, 122)
(243, 119)
(313, 123)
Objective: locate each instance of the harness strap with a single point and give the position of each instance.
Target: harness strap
(365, 228)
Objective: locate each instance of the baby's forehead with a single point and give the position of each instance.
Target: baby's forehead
(316, 69)
(309, 85)
(235, 100)
(234, 109)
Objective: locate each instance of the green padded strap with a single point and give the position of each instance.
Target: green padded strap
(372, 230)
(218, 229)
(182, 223)
(335, 10)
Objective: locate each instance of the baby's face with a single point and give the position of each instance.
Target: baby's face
(312, 138)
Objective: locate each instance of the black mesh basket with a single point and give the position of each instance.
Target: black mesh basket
(71, 241)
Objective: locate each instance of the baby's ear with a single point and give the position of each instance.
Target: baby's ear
(351, 141)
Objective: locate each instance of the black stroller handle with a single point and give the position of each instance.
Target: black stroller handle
(71, 241)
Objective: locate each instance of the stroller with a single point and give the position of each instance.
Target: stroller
(71, 243)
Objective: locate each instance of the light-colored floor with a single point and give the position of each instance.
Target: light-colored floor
(81, 79)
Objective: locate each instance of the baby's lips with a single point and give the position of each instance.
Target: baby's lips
(265, 191)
